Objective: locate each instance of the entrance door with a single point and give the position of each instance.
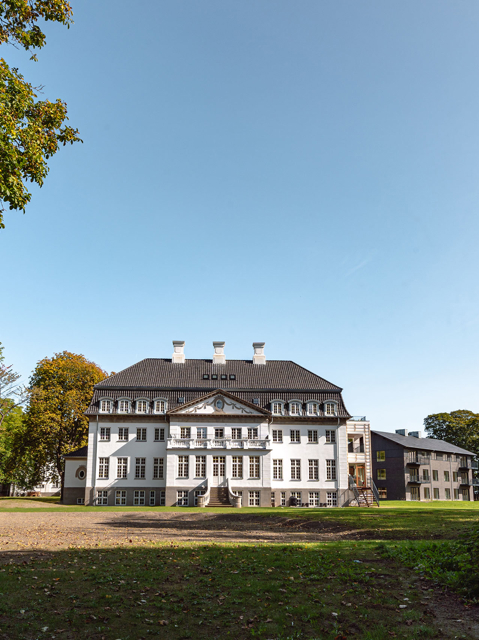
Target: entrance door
(219, 470)
(415, 493)
(358, 473)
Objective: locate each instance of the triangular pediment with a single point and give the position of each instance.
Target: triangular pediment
(219, 403)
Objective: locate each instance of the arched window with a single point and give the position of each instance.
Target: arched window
(313, 408)
(106, 406)
(277, 408)
(295, 408)
(160, 406)
(123, 406)
(330, 408)
(142, 406)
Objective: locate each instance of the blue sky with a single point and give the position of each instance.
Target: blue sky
(300, 173)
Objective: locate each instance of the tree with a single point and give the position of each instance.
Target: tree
(12, 392)
(460, 428)
(55, 420)
(30, 130)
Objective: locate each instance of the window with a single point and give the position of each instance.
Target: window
(198, 493)
(158, 468)
(330, 469)
(224, 376)
(185, 433)
(425, 475)
(183, 467)
(294, 409)
(313, 409)
(313, 469)
(160, 406)
(277, 408)
(253, 433)
(206, 376)
(182, 498)
(201, 433)
(142, 406)
(120, 498)
(200, 466)
(439, 456)
(80, 500)
(162, 498)
(383, 493)
(219, 464)
(159, 435)
(313, 436)
(456, 494)
(124, 406)
(253, 498)
(314, 498)
(219, 433)
(103, 467)
(295, 469)
(436, 494)
(295, 435)
(122, 467)
(455, 476)
(102, 497)
(214, 376)
(141, 435)
(277, 469)
(446, 476)
(232, 376)
(140, 467)
(427, 493)
(152, 498)
(283, 498)
(237, 466)
(331, 498)
(105, 406)
(381, 474)
(448, 494)
(104, 433)
(81, 474)
(273, 499)
(297, 495)
(123, 434)
(330, 409)
(380, 456)
(139, 498)
(236, 434)
(254, 466)
(465, 494)
(277, 435)
(435, 475)
(330, 436)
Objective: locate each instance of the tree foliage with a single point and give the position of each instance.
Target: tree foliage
(12, 392)
(30, 130)
(458, 427)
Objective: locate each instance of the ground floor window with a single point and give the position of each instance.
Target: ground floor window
(427, 493)
(456, 494)
(314, 498)
(182, 498)
(152, 498)
(101, 497)
(253, 499)
(297, 495)
(331, 498)
(415, 493)
(383, 493)
(283, 498)
(120, 498)
(139, 498)
(436, 494)
(273, 499)
(448, 494)
(80, 500)
(237, 466)
(465, 494)
(162, 498)
(198, 493)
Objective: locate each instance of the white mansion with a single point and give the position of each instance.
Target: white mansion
(211, 432)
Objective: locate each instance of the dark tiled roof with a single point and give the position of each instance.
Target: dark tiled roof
(79, 453)
(423, 444)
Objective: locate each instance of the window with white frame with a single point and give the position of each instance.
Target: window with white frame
(124, 406)
(330, 409)
(141, 434)
(252, 433)
(103, 467)
(296, 469)
(120, 497)
(237, 466)
(123, 434)
(162, 498)
(159, 434)
(201, 433)
(104, 433)
(219, 466)
(313, 469)
(277, 469)
(142, 406)
(198, 493)
(219, 433)
(253, 498)
(160, 406)
(106, 406)
(140, 468)
(277, 408)
(297, 495)
(277, 435)
(313, 408)
(139, 498)
(330, 436)
(314, 498)
(152, 498)
(295, 435)
(200, 466)
(283, 498)
(183, 467)
(254, 466)
(80, 500)
(331, 498)
(158, 468)
(312, 436)
(122, 467)
(102, 497)
(182, 498)
(185, 433)
(330, 469)
(236, 433)
(294, 408)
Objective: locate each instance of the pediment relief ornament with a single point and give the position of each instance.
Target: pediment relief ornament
(220, 405)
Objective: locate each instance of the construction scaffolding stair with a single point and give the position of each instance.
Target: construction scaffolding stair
(364, 496)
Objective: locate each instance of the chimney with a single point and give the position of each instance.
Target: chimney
(178, 356)
(401, 432)
(415, 434)
(259, 357)
(219, 354)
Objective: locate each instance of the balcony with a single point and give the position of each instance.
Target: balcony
(464, 463)
(475, 482)
(216, 443)
(358, 448)
(416, 479)
(416, 458)
(464, 480)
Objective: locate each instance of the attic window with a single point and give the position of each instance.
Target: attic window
(181, 400)
(214, 376)
(206, 376)
(224, 376)
(232, 376)
(255, 400)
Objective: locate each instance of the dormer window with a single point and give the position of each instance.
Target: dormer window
(294, 408)
(232, 376)
(313, 408)
(106, 406)
(124, 406)
(277, 408)
(330, 409)
(206, 376)
(224, 376)
(142, 406)
(160, 406)
(214, 376)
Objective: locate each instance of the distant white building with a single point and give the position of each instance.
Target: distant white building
(218, 432)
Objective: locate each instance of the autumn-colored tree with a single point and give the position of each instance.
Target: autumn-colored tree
(30, 130)
(55, 420)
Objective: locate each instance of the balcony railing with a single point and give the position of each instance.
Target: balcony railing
(358, 419)
(464, 463)
(417, 458)
(464, 480)
(217, 443)
(475, 482)
(416, 479)
(474, 464)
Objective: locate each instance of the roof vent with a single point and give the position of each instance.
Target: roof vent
(401, 432)
(219, 354)
(416, 434)
(255, 400)
(259, 357)
(178, 351)
(181, 400)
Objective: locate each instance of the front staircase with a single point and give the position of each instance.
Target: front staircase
(219, 497)
(364, 496)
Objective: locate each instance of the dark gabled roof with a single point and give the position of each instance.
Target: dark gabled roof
(79, 453)
(423, 444)
(221, 392)
(161, 373)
